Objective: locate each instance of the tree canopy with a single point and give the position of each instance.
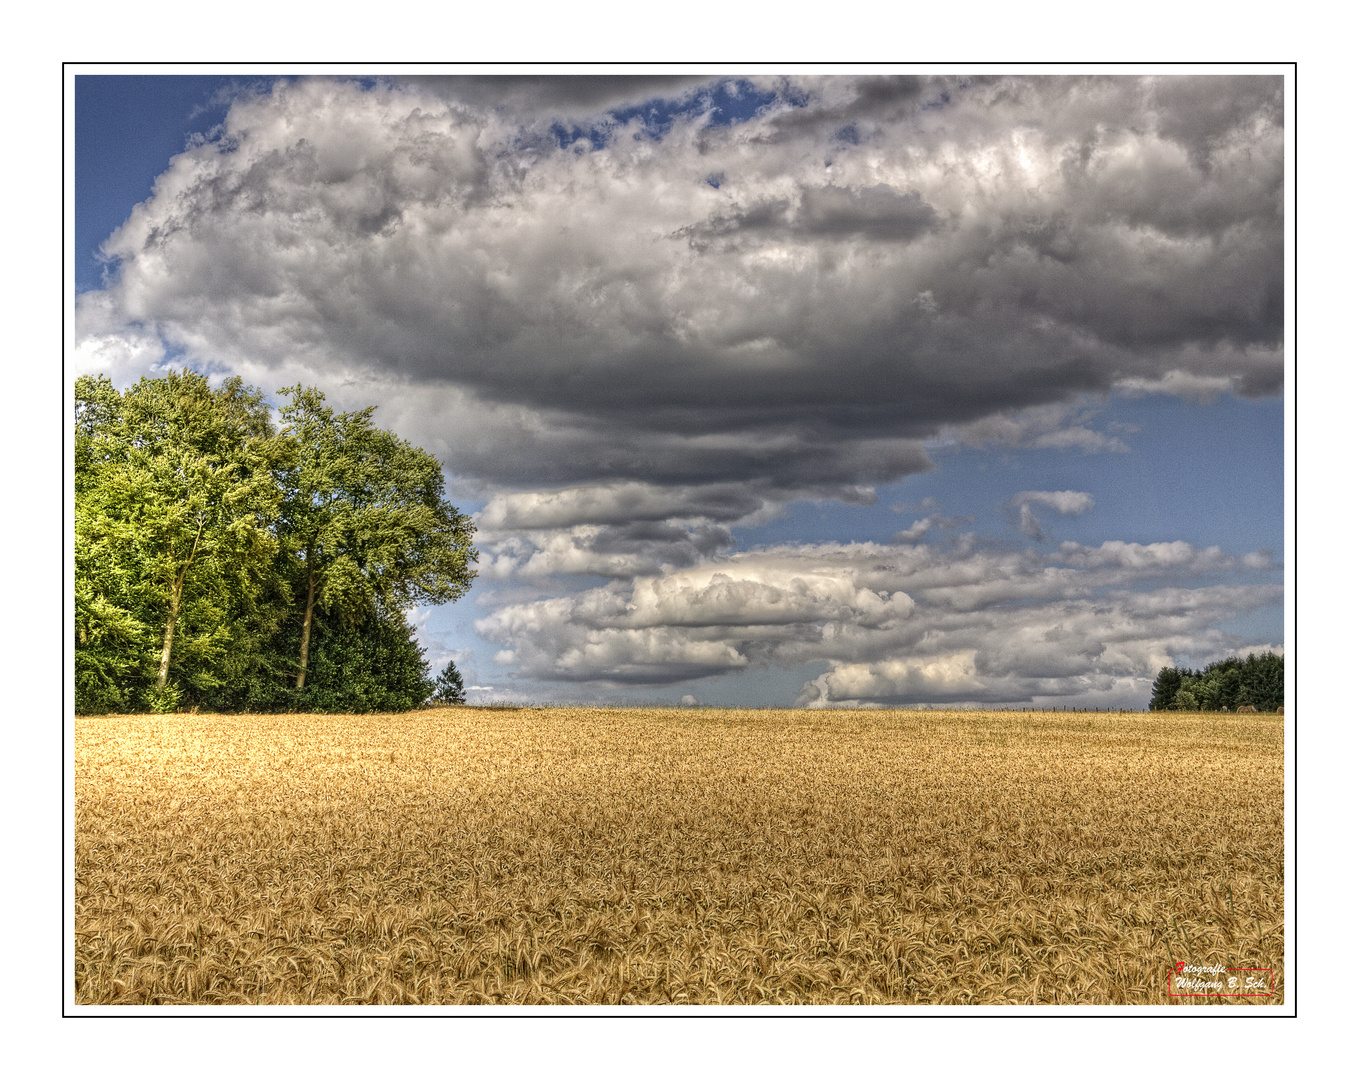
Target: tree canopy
(365, 523)
(221, 562)
(1257, 681)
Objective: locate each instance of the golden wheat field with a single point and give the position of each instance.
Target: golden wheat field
(632, 856)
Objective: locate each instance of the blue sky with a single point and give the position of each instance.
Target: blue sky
(127, 128)
(833, 391)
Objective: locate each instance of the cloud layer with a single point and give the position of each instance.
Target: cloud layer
(555, 284)
(898, 624)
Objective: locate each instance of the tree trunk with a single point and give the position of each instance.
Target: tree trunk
(164, 672)
(175, 589)
(306, 631)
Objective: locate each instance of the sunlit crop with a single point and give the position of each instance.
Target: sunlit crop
(627, 856)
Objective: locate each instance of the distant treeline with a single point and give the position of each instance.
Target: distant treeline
(225, 564)
(1228, 684)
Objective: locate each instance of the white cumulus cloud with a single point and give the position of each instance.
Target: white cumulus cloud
(895, 623)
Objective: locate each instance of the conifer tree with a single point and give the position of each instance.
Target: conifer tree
(1164, 689)
(448, 688)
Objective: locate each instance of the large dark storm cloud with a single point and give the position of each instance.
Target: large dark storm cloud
(550, 286)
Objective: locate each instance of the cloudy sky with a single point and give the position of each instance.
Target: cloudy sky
(828, 390)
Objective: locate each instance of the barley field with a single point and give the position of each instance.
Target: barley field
(579, 856)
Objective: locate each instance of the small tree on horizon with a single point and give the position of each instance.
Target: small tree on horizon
(448, 689)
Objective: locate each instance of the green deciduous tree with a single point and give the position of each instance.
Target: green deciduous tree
(365, 523)
(112, 642)
(176, 496)
(222, 563)
(1185, 701)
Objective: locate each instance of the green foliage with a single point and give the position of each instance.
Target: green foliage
(1262, 682)
(366, 524)
(113, 643)
(1185, 701)
(114, 648)
(204, 539)
(373, 666)
(176, 496)
(1164, 690)
(448, 688)
(163, 699)
(1227, 684)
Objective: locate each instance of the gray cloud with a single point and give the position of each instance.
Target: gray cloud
(874, 213)
(564, 96)
(1056, 426)
(917, 258)
(1062, 502)
(621, 551)
(848, 108)
(625, 503)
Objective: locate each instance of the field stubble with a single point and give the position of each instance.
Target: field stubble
(614, 856)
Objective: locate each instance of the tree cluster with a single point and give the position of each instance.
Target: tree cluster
(223, 563)
(1228, 684)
